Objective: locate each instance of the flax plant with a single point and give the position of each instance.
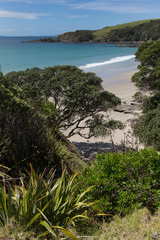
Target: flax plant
(41, 202)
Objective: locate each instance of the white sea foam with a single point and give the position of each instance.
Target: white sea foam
(113, 60)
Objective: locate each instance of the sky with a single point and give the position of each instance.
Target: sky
(53, 17)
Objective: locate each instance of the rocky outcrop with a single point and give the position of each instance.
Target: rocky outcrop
(128, 108)
(89, 150)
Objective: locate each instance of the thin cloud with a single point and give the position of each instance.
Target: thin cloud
(19, 15)
(36, 1)
(8, 30)
(113, 6)
(78, 16)
(43, 1)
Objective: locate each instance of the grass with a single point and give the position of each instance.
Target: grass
(13, 231)
(140, 225)
(103, 32)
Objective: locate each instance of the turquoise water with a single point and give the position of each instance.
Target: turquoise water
(15, 55)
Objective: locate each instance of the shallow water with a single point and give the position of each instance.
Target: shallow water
(15, 55)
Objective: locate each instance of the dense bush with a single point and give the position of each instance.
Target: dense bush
(77, 36)
(142, 32)
(148, 128)
(29, 134)
(70, 98)
(148, 79)
(126, 181)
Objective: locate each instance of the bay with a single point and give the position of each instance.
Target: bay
(15, 55)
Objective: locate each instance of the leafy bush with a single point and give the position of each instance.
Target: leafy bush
(126, 181)
(77, 36)
(148, 128)
(141, 32)
(77, 100)
(148, 79)
(29, 132)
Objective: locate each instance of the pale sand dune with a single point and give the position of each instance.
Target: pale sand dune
(122, 87)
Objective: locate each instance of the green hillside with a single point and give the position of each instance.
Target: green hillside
(137, 31)
(105, 31)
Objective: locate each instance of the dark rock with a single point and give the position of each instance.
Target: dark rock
(88, 151)
(135, 103)
(127, 108)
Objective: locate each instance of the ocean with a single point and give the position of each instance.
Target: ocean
(15, 55)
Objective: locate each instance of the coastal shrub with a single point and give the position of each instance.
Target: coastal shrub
(126, 181)
(77, 99)
(148, 128)
(41, 202)
(144, 31)
(148, 80)
(23, 133)
(77, 36)
(29, 134)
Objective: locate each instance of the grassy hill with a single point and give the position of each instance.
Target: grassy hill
(128, 32)
(105, 31)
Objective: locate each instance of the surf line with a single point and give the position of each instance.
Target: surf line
(113, 60)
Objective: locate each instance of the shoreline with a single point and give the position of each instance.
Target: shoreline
(54, 40)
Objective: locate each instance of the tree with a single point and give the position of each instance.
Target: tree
(148, 79)
(24, 134)
(148, 128)
(77, 97)
(29, 135)
(148, 55)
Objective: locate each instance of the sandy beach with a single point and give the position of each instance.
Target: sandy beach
(122, 87)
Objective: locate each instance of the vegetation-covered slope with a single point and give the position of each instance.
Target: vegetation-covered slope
(102, 32)
(77, 36)
(28, 135)
(134, 31)
(37, 105)
(124, 182)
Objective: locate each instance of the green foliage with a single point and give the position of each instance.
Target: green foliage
(138, 97)
(44, 39)
(41, 200)
(148, 128)
(75, 98)
(104, 32)
(149, 69)
(77, 36)
(148, 79)
(143, 30)
(84, 35)
(29, 132)
(26, 131)
(124, 182)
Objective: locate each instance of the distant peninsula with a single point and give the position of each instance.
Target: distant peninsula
(133, 33)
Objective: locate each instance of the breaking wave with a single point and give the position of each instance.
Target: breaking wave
(113, 60)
